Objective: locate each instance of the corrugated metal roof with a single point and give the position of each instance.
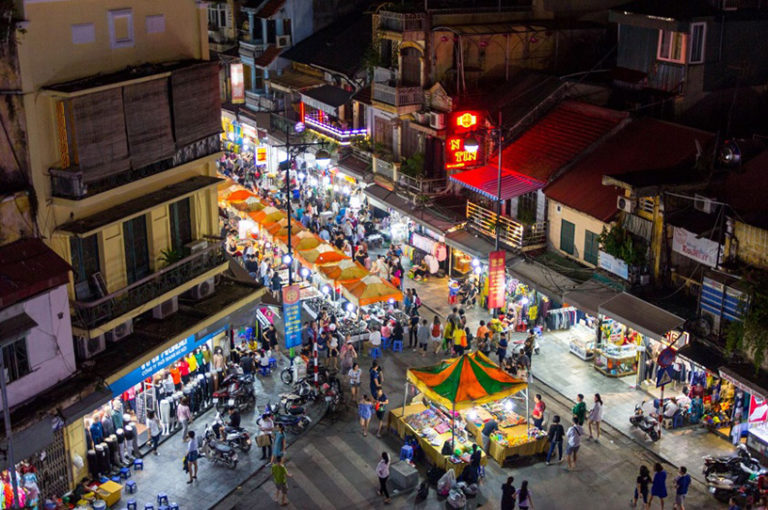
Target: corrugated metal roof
(29, 267)
(269, 56)
(292, 80)
(484, 180)
(645, 144)
(640, 315)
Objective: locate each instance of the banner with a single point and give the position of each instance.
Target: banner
(700, 249)
(496, 283)
(758, 410)
(292, 315)
(613, 265)
(238, 83)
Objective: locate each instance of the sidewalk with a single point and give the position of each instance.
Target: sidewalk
(164, 472)
(568, 375)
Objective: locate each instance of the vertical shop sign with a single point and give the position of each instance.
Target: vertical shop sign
(758, 410)
(237, 82)
(292, 316)
(261, 155)
(496, 283)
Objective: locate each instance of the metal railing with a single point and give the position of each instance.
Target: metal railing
(72, 183)
(397, 96)
(401, 22)
(512, 233)
(384, 169)
(420, 185)
(341, 135)
(251, 49)
(91, 314)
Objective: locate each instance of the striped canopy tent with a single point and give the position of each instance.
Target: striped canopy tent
(344, 271)
(250, 204)
(281, 227)
(268, 216)
(370, 289)
(321, 254)
(303, 240)
(464, 382)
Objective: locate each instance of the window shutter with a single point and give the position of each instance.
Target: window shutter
(196, 102)
(148, 122)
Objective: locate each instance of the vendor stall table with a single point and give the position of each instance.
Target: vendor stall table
(498, 451)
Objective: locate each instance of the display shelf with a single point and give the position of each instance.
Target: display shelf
(615, 361)
(581, 347)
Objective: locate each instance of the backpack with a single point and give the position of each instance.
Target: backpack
(436, 330)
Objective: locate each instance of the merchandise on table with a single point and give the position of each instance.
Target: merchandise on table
(616, 361)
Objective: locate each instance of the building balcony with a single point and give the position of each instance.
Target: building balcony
(403, 99)
(407, 26)
(514, 234)
(419, 185)
(338, 134)
(92, 314)
(257, 101)
(73, 184)
(251, 48)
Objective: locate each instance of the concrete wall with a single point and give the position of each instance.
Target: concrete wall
(752, 246)
(49, 345)
(582, 222)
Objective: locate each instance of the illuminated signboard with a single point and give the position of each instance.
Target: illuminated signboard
(457, 156)
(466, 120)
(238, 83)
(261, 154)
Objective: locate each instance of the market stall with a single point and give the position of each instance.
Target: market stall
(471, 389)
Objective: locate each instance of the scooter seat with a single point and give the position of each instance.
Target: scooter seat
(222, 448)
(296, 411)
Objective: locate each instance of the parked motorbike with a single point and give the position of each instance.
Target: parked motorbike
(295, 421)
(217, 451)
(647, 424)
(334, 398)
(731, 463)
(236, 437)
(237, 392)
(733, 476)
(303, 392)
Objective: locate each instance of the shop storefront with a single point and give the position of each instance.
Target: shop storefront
(739, 406)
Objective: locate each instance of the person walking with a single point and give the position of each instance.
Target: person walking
(538, 411)
(267, 427)
(348, 355)
(376, 378)
(155, 429)
(448, 333)
(555, 437)
(524, 497)
(422, 334)
(354, 380)
(436, 334)
(641, 486)
(508, 494)
(381, 409)
(382, 471)
(595, 417)
(574, 443)
(278, 450)
(413, 329)
(184, 416)
(280, 476)
(192, 455)
(659, 485)
(365, 411)
(580, 410)
(682, 483)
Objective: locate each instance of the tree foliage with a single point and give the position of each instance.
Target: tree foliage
(620, 243)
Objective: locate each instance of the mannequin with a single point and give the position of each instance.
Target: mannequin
(117, 413)
(88, 438)
(121, 446)
(165, 416)
(97, 431)
(106, 423)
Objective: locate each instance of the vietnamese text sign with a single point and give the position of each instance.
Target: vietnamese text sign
(699, 249)
(292, 316)
(496, 284)
(613, 265)
(238, 83)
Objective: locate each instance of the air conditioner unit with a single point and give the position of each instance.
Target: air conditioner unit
(196, 246)
(710, 323)
(625, 204)
(90, 347)
(437, 120)
(283, 41)
(703, 204)
(120, 332)
(166, 308)
(201, 290)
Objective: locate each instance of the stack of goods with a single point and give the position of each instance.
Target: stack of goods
(462, 452)
(503, 414)
(351, 327)
(315, 304)
(515, 440)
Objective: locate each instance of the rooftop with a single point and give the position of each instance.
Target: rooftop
(329, 95)
(269, 55)
(745, 190)
(28, 267)
(678, 10)
(268, 8)
(644, 146)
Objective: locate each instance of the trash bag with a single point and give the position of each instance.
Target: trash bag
(446, 482)
(456, 499)
(470, 490)
(434, 474)
(422, 492)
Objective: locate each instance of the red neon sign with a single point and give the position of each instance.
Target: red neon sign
(466, 120)
(457, 155)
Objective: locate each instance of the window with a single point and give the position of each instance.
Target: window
(382, 130)
(84, 255)
(567, 230)
(181, 226)
(121, 28)
(16, 360)
(671, 46)
(591, 247)
(271, 31)
(136, 253)
(217, 15)
(526, 207)
(698, 39)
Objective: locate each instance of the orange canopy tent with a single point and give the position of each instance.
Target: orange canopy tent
(303, 240)
(344, 271)
(280, 228)
(268, 216)
(240, 195)
(322, 254)
(370, 289)
(252, 204)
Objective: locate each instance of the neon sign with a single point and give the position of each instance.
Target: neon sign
(466, 120)
(457, 156)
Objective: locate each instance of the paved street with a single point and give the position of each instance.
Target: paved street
(333, 467)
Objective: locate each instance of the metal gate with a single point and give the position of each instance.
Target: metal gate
(52, 467)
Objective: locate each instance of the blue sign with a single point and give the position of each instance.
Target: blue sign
(663, 376)
(166, 358)
(292, 315)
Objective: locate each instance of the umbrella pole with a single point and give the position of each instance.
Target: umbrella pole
(527, 407)
(453, 426)
(405, 399)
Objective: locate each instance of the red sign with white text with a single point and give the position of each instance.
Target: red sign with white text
(496, 279)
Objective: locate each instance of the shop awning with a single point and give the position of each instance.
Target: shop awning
(588, 296)
(326, 98)
(469, 243)
(640, 315)
(355, 167)
(545, 280)
(743, 376)
(702, 355)
(384, 199)
(291, 81)
(484, 180)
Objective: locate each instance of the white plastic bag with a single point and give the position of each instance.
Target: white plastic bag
(445, 482)
(457, 499)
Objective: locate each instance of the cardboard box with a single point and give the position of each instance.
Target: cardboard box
(110, 492)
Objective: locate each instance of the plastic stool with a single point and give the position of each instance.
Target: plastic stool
(375, 352)
(125, 473)
(132, 505)
(103, 479)
(149, 506)
(138, 464)
(264, 371)
(116, 479)
(397, 346)
(272, 363)
(174, 506)
(162, 497)
(130, 486)
(406, 452)
(163, 507)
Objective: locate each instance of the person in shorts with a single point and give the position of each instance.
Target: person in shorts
(573, 443)
(682, 483)
(381, 409)
(280, 476)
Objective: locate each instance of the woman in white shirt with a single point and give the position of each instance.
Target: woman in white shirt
(596, 416)
(267, 426)
(382, 471)
(354, 381)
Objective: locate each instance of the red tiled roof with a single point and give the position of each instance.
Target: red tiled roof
(269, 55)
(270, 8)
(645, 144)
(28, 267)
(558, 138)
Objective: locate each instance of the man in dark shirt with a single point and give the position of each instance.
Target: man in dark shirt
(489, 428)
(246, 363)
(234, 417)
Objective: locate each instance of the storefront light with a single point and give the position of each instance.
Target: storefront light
(231, 136)
(508, 406)
(346, 190)
(327, 182)
(350, 307)
(478, 270)
(304, 272)
(268, 245)
(524, 301)
(335, 188)
(302, 176)
(391, 301)
(287, 259)
(354, 202)
(472, 415)
(326, 289)
(475, 263)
